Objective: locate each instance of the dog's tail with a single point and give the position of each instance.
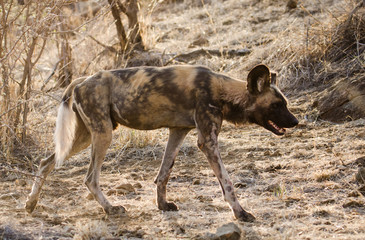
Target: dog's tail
(65, 124)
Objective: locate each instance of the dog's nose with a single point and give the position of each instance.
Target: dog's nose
(295, 121)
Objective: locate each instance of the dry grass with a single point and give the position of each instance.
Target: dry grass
(325, 50)
(92, 230)
(131, 138)
(316, 173)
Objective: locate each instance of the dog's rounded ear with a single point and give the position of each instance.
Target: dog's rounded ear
(258, 79)
(273, 78)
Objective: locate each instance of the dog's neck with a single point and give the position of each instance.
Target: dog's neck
(235, 101)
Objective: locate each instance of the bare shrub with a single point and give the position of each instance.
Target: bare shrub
(333, 50)
(31, 27)
(25, 30)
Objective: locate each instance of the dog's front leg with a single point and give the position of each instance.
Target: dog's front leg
(208, 126)
(176, 138)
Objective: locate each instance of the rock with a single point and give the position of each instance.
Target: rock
(343, 101)
(273, 187)
(328, 201)
(196, 182)
(353, 204)
(7, 232)
(200, 41)
(292, 4)
(360, 176)
(137, 185)
(202, 198)
(125, 188)
(108, 193)
(228, 231)
(273, 168)
(89, 196)
(321, 213)
(240, 185)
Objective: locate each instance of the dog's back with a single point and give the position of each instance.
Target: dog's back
(149, 97)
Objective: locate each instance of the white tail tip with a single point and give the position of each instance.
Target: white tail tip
(64, 133)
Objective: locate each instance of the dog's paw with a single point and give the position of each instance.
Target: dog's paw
(168, 206)
(115, 210)
(245, 216)
(30, 205)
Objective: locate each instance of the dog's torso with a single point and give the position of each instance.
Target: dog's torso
(150, 98)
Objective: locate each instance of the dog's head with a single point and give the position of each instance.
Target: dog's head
(269, 107)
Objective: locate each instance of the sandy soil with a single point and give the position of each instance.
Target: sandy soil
(300, 186)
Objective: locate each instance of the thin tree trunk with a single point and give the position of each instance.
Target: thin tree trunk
(131, 10)
(118, 24)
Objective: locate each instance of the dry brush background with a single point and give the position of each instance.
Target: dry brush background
(308, 184)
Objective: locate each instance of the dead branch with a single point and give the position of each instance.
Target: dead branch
(51, 75)
(8, 169)
(109, 48)
(186, 57)
(358, 6)
(118, 24)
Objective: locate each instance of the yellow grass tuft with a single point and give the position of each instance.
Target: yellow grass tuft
(131, 138)
(91, 230)
(324, 175)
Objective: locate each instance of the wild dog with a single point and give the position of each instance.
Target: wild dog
(180, 98)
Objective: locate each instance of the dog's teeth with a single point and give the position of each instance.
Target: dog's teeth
(281, 130)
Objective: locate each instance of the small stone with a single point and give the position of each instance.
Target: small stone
(273, 188)
(277, 153)
(228, 231)
(328, 201)
(111, 192)
(125, 188)
(89, 196)
(196, 182)
(200, 41)
(240, 185)
(137, 185)
(267, 153)
(353, 194)
(353, 204)
(321, 213)
(157, 230)
(292, 4)
(20, 182)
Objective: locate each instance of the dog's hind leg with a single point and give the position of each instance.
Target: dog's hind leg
(100, 143)
(80, 142)
(45, 167)
(176, 138)
(208, 123)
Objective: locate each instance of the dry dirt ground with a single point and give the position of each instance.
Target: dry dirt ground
(300, 186)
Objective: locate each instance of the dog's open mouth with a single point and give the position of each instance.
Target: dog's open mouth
(277, 130)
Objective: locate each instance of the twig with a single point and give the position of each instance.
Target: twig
(110, 48)
(51, 75)
(21, 172)
(207, 52)
(358, 6)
